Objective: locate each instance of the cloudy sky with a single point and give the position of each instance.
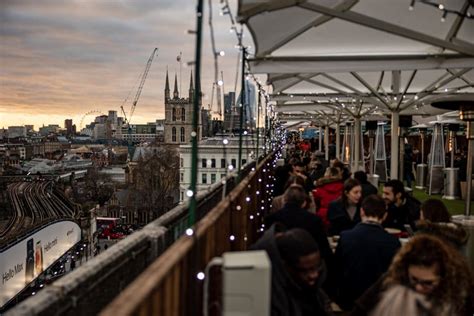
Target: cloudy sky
(61, 59)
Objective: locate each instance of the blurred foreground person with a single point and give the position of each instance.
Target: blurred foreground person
(297, 272)
(432, 268)
(401, 300)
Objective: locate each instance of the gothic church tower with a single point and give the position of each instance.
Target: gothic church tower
(179, 115)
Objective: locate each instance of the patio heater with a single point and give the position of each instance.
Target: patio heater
(371, 127)
(357, 147)
(451, 174)
(437, 160)
(465, 105)
(380, 155)
(421, 168)
(346, 144)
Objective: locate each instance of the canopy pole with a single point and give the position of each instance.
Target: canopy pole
(320, 138)
(357, 131)
(241, 126)
(394, 148)
(470, 148)
(338, 141)
(326, 142)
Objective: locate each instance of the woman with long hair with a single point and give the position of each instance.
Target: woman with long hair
(344, 213)
(432, 268)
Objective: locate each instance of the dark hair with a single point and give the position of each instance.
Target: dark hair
(294, 244)
(294, 180)
(435, 211)
(374, 206)
(397, 187)
(295, 195)
(361, 176)
(349, 184)
(338, 164)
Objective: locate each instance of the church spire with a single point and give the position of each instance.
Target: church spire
(167, 86)
(191, 88)
(175, 92)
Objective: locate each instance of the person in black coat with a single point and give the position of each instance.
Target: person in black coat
(297, 272)
(401, 208)
(293, 215)
(363, 253)
(344, 213)
(367, 187)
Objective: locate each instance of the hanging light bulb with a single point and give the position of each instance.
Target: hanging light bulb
(443, 18)
(412, 5)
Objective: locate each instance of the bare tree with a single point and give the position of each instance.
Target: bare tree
(157, 179)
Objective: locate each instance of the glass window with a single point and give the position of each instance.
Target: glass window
(213, 177)
(203, 163)
(181, 162)
(183, 115)
(213, 163)
(234, 163)
(204, 178)
(222, 163)
(181, 177)
(173, 118)
(182, 137)
(173, 134)
(182, 195)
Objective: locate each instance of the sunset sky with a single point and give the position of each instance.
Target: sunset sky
(61, 59)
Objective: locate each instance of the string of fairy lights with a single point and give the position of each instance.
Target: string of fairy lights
(443, 9)
(258, 194)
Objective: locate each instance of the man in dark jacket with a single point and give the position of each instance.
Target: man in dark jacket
(297, 272)
(292, 215)
(401, 208)
(364, 253)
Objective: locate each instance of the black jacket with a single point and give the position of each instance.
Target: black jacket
(295, 217)
(363, 254)
(368, 189)
(339, 219)
(407, 213)
(287, 297)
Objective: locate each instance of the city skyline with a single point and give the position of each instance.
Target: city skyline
(62, 60)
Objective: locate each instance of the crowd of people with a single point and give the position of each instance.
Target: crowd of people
(369, 272)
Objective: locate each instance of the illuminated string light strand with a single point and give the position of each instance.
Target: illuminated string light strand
(445, 11)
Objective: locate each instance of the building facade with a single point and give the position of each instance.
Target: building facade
(179, 115)
(214, 163)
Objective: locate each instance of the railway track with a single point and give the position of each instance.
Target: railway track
(34, 203)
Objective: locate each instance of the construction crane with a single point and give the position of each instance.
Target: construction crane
(135, 101)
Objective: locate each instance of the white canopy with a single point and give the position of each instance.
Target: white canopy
(373, 54)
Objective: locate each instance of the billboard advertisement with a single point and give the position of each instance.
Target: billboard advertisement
(23, 262)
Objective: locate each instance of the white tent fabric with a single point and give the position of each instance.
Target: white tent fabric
(362, 49)
(362, 57)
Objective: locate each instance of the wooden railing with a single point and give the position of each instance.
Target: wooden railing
(170, 285)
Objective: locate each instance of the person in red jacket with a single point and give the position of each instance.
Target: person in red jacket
(328, 189)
